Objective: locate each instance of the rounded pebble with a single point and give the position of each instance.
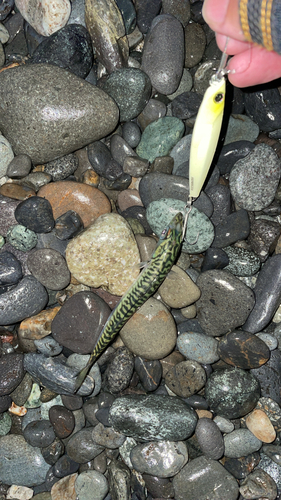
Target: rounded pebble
(199, 347)
(209, 438)
(91, 485)
(36, 214)
(162, 458)
(240, 442)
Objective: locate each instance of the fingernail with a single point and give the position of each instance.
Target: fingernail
(214, 11)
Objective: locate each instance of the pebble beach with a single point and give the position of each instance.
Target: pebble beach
(98, 99)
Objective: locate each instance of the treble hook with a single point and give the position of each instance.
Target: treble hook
(187, 213)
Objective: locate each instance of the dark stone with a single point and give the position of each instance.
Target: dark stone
(149, 372)
(129, 15)
(90, 408)
(62, 167)
(80, 321)
(209, 438)
(243, 350)
(120, 370)
(139, 213)
(68, 225)
(263, 237)
(28, 298)
(51, 241)
(50, 268)
(264, 108)
(196, 12)
(113, 171)
(215, 258)
(186, 105)
(53, 451)
(72, 402)
(241, 467)
(236, 226)
(19, 167)
(11, 372)
(197, 401)
(195, 43)
(231, 153)
(99, 156)
(10, 269)
(222, 395)
(6, 7)
(36, 214)
(39, 433)
(7, 211)
(221, 199)
(131, 133)
(81, 447)
(120, 150)
(33, 39)
(181, 10)
(5, 403)
(146, 12)
(69, 48)
(269, 377)
(157, 185)
(62, 421)
(268, 295)
(65, 466)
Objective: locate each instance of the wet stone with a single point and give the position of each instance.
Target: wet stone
(264, 107)
(65, 466)
(186, 105)
(269, 377)
(198, 346)
(36, 214)
(263, 237)
(272, 410)
(220, 197)
(162, 459)
(243, 350)
(159, 137)
(29, 297)
(258, 484)
(62, 421)
(10, 269)
(91, 485)
(241, 127)
(131, 133)
(231, 153)
(7, 210)
(130, 414)
(153, 111)
(232, 393)
(235, 226)
(201, 477)
(19, 167)
(69, 48)
(21, 238)
(155, 186)
(149, 372)
(63, 167)
(163, 53)
(68, 225)
(39, 433)
(146, 12)
(186, 378)
(53, 452)
(21, 463)
(225, 302)
(130, 88)
(107, 437)
(267, 294)
(240, 467)
(120, 370)
(253, 180)
(49, 267)
(134, 166)
(242, 262)
(195, 43)
(215, 258)
(120, 149)
(209, 438)
(178, 290)
(224, 424)
(97, 114)
(81, 446)
(128, 12)
(158, 487)
(199, 228)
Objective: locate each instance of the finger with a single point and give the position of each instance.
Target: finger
(223, 17)
(254, 67)
(233, 46)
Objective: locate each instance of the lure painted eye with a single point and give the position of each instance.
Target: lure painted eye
(218, 97)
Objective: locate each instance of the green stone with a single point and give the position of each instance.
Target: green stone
(241, 128)
(21, 238)
(136, 226)
(199, 232)
(5, 423)
(242, 262)
(33, 400)
(159, 137)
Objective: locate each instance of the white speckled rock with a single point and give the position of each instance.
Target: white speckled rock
(45, 17)
(6, 155)
(105, 255)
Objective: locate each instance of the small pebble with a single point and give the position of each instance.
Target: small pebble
(259, 424)
(120, 370)
(64, 489)
(21, 238)
(240, 442)
(62, 421)
(178, 290)
(210, 438)
(39, 433)
(131, 133)
(149, 372)
(91, 485)
(107, 437)
(19, 167)
(186, 378)
(241, 128)
(159, 137)
(81, 446)
(36, 214)
(153, 111)
(199, 347)
(243, 350)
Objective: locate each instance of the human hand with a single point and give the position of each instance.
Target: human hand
(251, 64)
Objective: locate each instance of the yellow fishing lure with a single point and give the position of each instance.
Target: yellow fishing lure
(206, 131)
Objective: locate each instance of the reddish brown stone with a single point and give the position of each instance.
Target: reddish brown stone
(243, 350)
(88, 201)
(16, 191)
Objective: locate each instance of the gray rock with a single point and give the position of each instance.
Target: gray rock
(205, 479)
(240, 442)
(107, 437)
(169, 418)
(119, 480)
(225, 302)
(21, 463)
(160, 458)
(49, 267)
(48, 346)
(241, 128)
(120, 370)
(11, 372)
(81, 446)
(19, 167)
(28, 298)
(198, 346)
(91, 485)
(259, 484)
(163, 54)
(47, 112)
(55, 375)
(39, 433)
(209, 438)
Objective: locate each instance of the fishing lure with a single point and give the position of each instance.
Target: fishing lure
(207, 130)
(145, 285)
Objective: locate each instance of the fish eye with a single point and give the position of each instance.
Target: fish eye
(218, 97)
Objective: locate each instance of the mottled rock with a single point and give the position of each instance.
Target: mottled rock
(45, 18)
(64, 489)
(11, 372)
(240, 442)
(269, 377)
(91, 485)
(159, 137)
(243, 350)
(90, 256)
(264, 108)
(186, 378)
(120, 370)
(169, 418)
(49, 268)
(259, 484)
(72, 113)
(162, 459)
